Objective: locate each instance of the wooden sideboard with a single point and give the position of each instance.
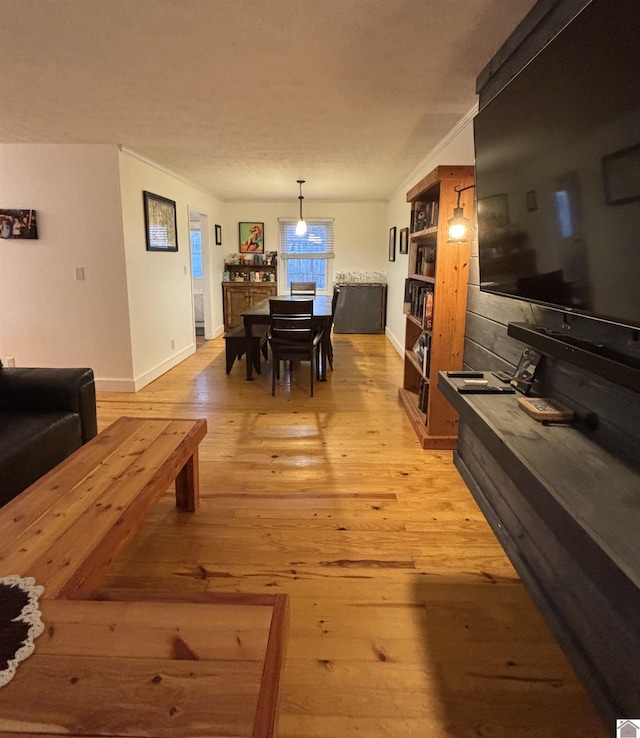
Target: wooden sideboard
(240, 296)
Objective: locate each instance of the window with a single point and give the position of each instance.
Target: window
(307, 258)
(196, 254)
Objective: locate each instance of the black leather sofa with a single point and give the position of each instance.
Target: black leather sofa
(45, 415)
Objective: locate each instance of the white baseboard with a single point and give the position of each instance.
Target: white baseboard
(133, 385)
(394, 341)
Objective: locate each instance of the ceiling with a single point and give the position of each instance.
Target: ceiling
(244, 97)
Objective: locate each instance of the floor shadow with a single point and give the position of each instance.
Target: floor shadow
(496, 666)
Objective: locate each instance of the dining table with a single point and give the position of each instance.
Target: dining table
(259, 315)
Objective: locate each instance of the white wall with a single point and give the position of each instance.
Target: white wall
(360, 240)
(455, 148)
(159, 284)
(122, 319)
(47, 317)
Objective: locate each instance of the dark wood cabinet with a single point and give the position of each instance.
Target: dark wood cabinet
(239, 296)
(245, 284)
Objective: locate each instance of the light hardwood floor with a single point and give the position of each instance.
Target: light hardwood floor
(407, 618)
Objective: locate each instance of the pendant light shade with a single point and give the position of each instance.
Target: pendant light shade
(301, 227)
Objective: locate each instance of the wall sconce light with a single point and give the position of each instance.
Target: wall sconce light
(301, 227)
(458, 225)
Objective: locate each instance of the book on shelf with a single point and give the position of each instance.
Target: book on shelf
(417, 349)
(419, 298)
(423, 395)
(422, 349)
(425, 260)
(406, 307)
(425, 342)
(427, 321)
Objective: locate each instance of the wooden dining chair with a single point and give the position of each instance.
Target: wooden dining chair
(293, 337)
(303, 288)
(328, 341)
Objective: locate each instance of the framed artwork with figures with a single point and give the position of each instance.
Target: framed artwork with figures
(251, 237)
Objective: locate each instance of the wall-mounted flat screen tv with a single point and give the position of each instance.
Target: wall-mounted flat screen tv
(558, 171)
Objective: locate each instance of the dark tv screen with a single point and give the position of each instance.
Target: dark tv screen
(558, 171)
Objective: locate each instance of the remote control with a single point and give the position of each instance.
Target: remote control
(490, 390)
(502, 376)
(476, 382)
(466, 375)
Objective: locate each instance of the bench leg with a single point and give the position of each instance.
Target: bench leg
(234, 349)
(230, 357)
(188, 485)
(255, 354)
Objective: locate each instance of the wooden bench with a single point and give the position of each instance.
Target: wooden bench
(102, 649)
(236, 346)
(66, 528)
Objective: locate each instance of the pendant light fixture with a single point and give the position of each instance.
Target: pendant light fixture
(301, 227)
(458, 225)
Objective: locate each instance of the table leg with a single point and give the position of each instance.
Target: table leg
(188, 484)
(247, 333)
(325, 352)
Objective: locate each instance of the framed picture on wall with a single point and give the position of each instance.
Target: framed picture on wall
(160, 223)
(251, 238)
(18, 224)
(404, 241)
(392, 244)
(218, 235)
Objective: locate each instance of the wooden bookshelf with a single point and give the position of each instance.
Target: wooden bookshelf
(435, 302)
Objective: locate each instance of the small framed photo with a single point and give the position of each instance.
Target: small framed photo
(525, 371)
(404, 241)
(18, 224)
(218, 235)
(251, 238)
(392, 244)
(161, 228)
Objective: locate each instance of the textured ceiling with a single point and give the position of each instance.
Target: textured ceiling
(243, 97)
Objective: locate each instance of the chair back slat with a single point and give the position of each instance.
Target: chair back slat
(303, 288)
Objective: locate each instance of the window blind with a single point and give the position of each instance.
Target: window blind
(317, 242)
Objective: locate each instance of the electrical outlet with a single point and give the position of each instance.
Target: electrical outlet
(173, 343)
(10, 361)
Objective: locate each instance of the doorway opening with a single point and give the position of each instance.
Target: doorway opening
(200, 276)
